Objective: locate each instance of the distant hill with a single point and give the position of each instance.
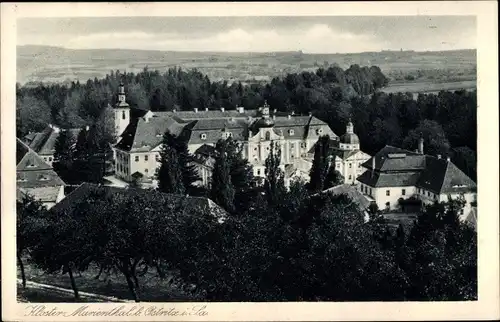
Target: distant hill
(56, 64)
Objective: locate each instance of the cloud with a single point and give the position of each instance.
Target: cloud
(315, 39)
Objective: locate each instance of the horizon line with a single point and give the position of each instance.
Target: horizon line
(252, 52)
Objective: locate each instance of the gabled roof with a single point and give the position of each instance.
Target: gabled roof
(442, 176)
(32, 171)
(351, 192)
(391, 158)
(86, 190)
(142, 135)
(395, 167)
(383, 180)
(44, 142)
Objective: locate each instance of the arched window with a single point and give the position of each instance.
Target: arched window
(268, 135)
(123, 115)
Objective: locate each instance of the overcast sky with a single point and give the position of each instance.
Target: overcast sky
(257, 34)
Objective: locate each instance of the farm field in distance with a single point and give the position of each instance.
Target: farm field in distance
(408, 71)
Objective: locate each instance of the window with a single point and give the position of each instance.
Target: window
(387, 192)
(157, 158)
(403, 192)
(268, 135)
(293, 156)
(145, 158)
(292, 145)
(136, 158)
(350, 165)
(359, 165)
(45, 159)
(291, 132)
(350, 177)
(123, 115)
(338, 165)
(258, 172)
(50, 159)
(145, 170)
(428, 193)
(203, 136)
(319, 131)
(303, 145)
(255, 149)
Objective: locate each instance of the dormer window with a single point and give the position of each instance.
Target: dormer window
(291, 132)
(203, 136)
(43, 178)
(30, 165)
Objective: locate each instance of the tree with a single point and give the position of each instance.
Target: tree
(241, 175)
(320, 164)
(32, 114)
(435, 141)
(333, 177)
(64, 156)
(222, 189)
(274, 183)
(31, 216)
(170, 176)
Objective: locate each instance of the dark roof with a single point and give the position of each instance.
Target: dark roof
(442, 176)
(84, 191)
(44, 142)
(32, 171)
(352, 193)
(142, 135)
(395, 167)
(344, 154)
(392, 158)
(210, 114)
(379, 180)
(471, 218)
(206, 149)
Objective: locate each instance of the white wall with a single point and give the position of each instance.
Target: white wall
(381, 197)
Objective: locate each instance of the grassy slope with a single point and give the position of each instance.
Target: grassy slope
(151, 289)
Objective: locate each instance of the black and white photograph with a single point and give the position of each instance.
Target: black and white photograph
(272, 158)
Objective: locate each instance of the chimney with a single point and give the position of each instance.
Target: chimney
(240, 109)
(448, 159)
(87, 128)
(439, 156)
(310, 113)
(289, 116)
(206, 109)
(275, 110)
(173, 110)
(421, 145)
(196, 110)
(293, 112)
(373, 165)
(222, 109)
(274, 117)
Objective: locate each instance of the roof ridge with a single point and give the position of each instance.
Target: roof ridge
(444, 176)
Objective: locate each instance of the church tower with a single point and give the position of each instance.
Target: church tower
(349, 141)
(122, 112)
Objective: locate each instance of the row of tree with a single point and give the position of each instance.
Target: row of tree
(447, 121)
(275, 244)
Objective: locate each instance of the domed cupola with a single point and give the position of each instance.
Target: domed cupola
(349, 140)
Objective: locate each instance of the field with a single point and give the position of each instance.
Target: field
(54, 64)
(429, 87)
